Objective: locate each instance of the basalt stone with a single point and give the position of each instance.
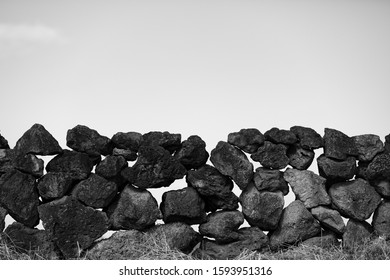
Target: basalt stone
(54, 185)
(299, 157)
(225, 201)
(262, 209)
(250, 239)
(336, 170)
(222, 226)
(296, 224)
(308, 138)
(30, 164)
(232, 162)
(356, 233)
(38, 141)
(381, 220)
(134, 209)
(280, 136)
(7, 158)
(111, 166)
(3, 213)
(3, 143)
(127, 140)
(72, 226)
(368, 146)
(154, 168)
(183, 205)
(79, 165)
(382, 187)
(338, 145)
(84, 139)
(247, 139)
(379, 168)
(18, 194)
(270, 180)
(325, 241)
(192, 153)
(308, 187)
(129, 155)
(355, 199)
(272, 155)
(361, 169)
(387, 143)
(169, 141)
(329, 218)
(95, 191)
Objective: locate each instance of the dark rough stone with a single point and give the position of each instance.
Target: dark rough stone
(18, 194)
(325, 241)
(192, 153)
(168, 141)
(262, 209)
(299, 157)
(127, 140)
(308, 187)
(368, 146)
(379, 168)
(250, 239)
(71, 225)
(355, 199)
(382, 187)
(336, 170)
(111, 166)
(329, 218)
(55, 185)
(280, 136)
(95, 191)
(77, 164)
(83, 139)
(222, 226)
(37, 140)
(361, 170)
(129, 155)
(183, 205)
(247, 139)
(356, 233)
(308, 138)
(134, 209)
(7, 158)
(232, 162)
(381, 220)
(270, 180)
(30, 164)
(272, 155)
(3, 213)
(387, 143)
(337, 145)
(295, 225)
(3, 143)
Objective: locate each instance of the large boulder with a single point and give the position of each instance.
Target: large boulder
(280, 136)
(84, 139)
(308, 187)
(329, 218)
(368, 146)
(296, 224)
(356, 234)
(355, 199)
(232, 162)
(127, 140)
(192, 153)
(133, 209)
(18, 194)
(222, 226)
(381, 219)
(184, 205)
(338, 145)
(308, 138)
(111, 166)
(72, 226)
(271, 180)
(3, 213)
(169, 141)
(154, 168)
(270, 155)
(3, 143)
(30, 164)
(247, 139)
(38, 141)
(262, 209)
(54, 185)
(336, 170)
(300, 158)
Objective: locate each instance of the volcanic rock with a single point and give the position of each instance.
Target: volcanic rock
(382, 187)
(361, 169)
(129, 155)
(111, 166)
(355, 199)
(192, 153)
(270, 180)
(280, 136)
(3, 213)
(308, 187)
(299, 157)
(326, 240)
(19, 196)
(336, 170)
(387, 143)
(272, 155)
(30, 164)
(308, 138)
(127, 140)
(3, 143)
(170, 142)
(329, 218)
(183, 205)
(7, 158)
(356, 233)
(368, 146)
(379, 168)
(337, 145)
(54, 185)
(381, 220)
(247, 139)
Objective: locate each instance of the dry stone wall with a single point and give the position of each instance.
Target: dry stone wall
(77, 206)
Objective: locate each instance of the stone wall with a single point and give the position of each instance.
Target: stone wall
(102, 184)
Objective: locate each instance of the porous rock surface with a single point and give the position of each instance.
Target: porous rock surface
(271, 180)
(247, 139)
(192, 154)
(336, 170)
(55, 185)
(270, 155)
(329, 218)
(381, 219)
(308, 138)
(338, 145)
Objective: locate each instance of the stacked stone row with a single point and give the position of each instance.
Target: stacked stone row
(77, 205)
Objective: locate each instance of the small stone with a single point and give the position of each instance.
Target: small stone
(169, 141)
(308, 187)
(134, 209)
(247, 139)
(3, 213)
(192, 153)
(7, 158)
(183, 205)
(54, 185)
(381, 220)
(337, 145)
(273, 156)
(38, 141)
(355, 199)
(368, 146)
(83, 139)
(111, 166)
(329, 218)
(356, 234)
(127, 140)
(270, 180)
(280, 136)
(379, 168)
(308, 138)
(299, 157)
(336, 170)
(232, 162)
(3, 143)
(361, 170)
(30, 164)
(222, 226)
(325, 241)
(382, 187)
(129, 155)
